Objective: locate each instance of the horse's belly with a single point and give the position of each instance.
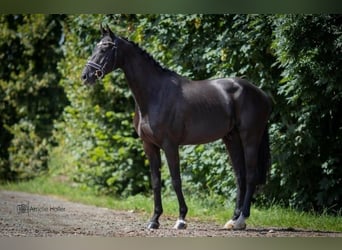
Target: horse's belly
(200, 140)
(206, 130)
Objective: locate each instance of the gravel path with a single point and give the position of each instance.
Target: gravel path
(23, 214)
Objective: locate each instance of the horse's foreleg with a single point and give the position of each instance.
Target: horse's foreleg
(172, 156)
(153, 154)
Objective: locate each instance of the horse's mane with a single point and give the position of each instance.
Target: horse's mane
(149, 57)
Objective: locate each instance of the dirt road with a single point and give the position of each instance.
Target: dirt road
(23, 214)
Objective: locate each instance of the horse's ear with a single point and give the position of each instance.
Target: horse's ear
(110, 31)
(103, 32)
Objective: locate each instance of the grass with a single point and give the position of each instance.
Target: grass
(208, 209)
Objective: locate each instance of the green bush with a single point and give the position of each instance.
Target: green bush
(28, 152)
(97, 128)
(306, 133)
(30, 98)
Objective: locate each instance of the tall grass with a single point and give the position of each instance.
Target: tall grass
(209, 208)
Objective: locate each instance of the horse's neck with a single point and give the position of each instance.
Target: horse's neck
(143, 77)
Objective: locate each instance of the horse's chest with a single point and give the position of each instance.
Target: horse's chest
(147, 130)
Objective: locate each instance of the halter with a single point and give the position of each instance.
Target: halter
(99, 73)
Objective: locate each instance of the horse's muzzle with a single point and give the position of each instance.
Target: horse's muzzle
(86, 79)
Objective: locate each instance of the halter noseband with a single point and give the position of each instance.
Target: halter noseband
(99, 73)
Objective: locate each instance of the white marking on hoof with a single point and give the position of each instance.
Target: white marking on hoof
(238, 224)
(229, 225)
(180, 224)
(153, 225)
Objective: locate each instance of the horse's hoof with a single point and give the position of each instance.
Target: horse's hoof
(180, 224)
(239, 226)
(235, 225)
(153, 225)
(229, 225)
(240, 223)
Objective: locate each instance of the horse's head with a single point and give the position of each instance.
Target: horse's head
(103, 58)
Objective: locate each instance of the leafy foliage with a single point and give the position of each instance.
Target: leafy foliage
(30, 98)
(96, 129)
(309, 51)
(296, 59)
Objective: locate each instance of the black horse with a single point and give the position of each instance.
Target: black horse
(172, 111)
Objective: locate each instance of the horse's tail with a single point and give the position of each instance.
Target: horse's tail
(264, 158)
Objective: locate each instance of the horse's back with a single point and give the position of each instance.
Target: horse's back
(233, 90)
(244, 102)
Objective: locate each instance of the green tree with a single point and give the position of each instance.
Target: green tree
(307, 132)
(30, 98)
(96, 132)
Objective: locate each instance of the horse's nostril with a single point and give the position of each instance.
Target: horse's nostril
(84, 77)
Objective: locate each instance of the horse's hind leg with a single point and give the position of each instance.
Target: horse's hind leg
(251, 143)
(236, 153)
